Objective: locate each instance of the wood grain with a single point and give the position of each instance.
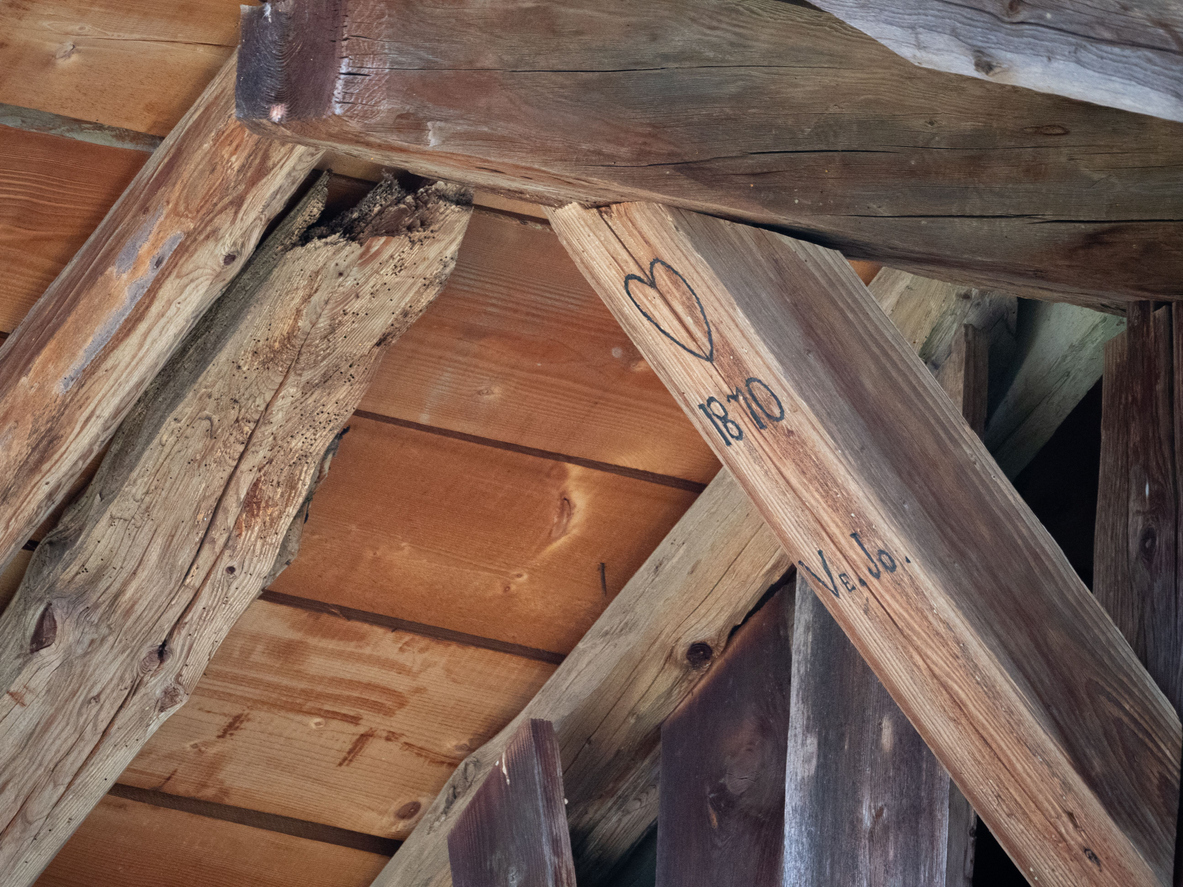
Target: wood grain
(128, 844)
(53, 194)
(1060, 358)
(328, 720)
(476, 539)
(722, 815)
(126, 601)
(1107, 53)
(78, 361)
(760, 111)
(865, 800)
(946, 583)
(515, 829)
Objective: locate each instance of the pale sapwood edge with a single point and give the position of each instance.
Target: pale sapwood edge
(611, 694)
(126, 601)
(1122, 56)
(103, 329)
(971, 617)
(715, 107)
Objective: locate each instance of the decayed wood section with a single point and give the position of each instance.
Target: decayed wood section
(723, 755)
(1121, 55)
(760, 111)
(865, 800)
(1137, 553)
(634, 666)
(86, 351)
(950, 588)
(515, 830)
(1060, 358)
(126, 601)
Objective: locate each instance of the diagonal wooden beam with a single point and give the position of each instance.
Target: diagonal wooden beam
(194, 505)
(656, 640)
(950, 588)
(182, 230)
(756, 110)
(1128, 57)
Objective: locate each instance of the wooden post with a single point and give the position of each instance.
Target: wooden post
(723, 762)
(127, 599)
(515, 830)
(715, 106)
(1139, 559)
(105, 327)
(946, 583)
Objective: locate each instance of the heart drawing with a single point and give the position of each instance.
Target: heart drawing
(676, 305)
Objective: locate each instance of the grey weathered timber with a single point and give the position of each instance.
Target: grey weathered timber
(515, 830)
(945, 581)
(106, 325)
(1124, 55)
(723, 762)
(193, 506)
(755, 110)
(1060, 358)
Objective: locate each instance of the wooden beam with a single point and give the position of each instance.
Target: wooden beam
(866, 802)
(515, 830)
(722, 813)
(634, 666)
(1060, 357)
(1107, 53)
(762, 111)
(106, 325)
(126, 601)
(950, 588)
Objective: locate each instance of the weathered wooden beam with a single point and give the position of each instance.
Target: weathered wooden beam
(760, 111)
(1137, 564)
(722, 813)
(865, 800)
(1123, 56)
(1060, 358)
(124, 604)
(515, 830)
(652, 644)
(950, 588)
(178, 235)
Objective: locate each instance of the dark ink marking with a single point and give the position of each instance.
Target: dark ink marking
(651, 282)
(846, 583)
(46, 631)
(1091, 856)
(873, 570)
(832, 585)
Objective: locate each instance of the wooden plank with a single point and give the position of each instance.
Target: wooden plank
(966, 610)
(107, 324)
(124, 604)
(762, 111)
(1110, 54)
(722, 814)
(865, 800)
(628, 673)
(331, 720)
(128, 844)
(515, 829)
(477, 539)
(53, 194)
(1059, 360)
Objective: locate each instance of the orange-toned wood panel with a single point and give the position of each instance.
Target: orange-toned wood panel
(137, 64)
(53, 193)
(315, 717)
(128, 844)
(519, 348)
(475, 538)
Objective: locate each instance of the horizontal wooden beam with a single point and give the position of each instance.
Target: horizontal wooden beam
(1123, 56)
(198, 502)
(945, 581)
(762, 111)
(177, 236)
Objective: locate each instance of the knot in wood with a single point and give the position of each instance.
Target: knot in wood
(699, 655)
